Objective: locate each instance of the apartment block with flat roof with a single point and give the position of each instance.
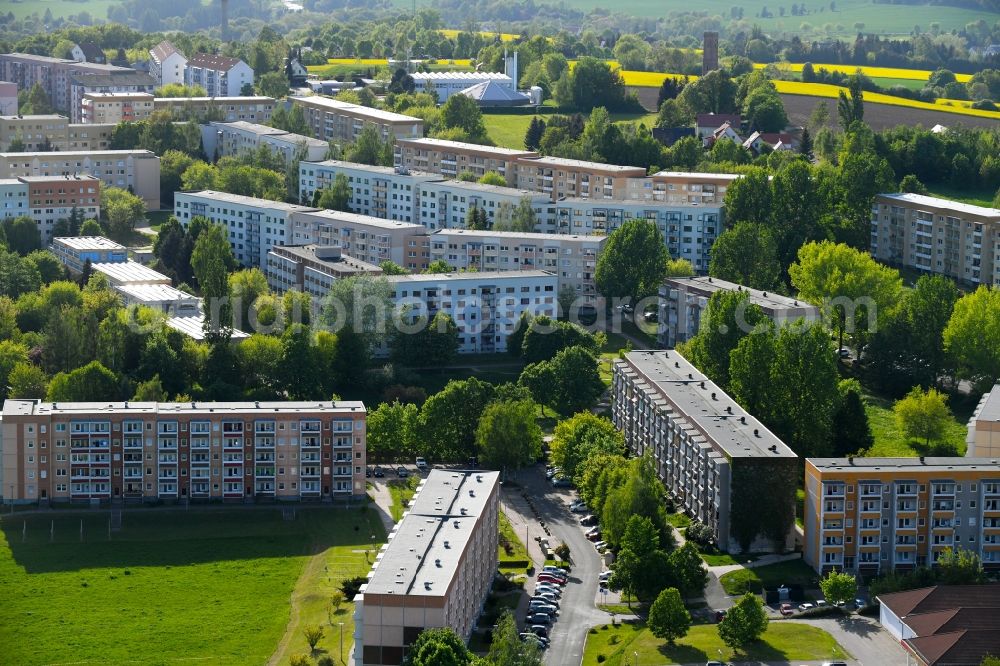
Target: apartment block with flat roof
(872, 515)
(436, 569)
(82, 85)
(683, 187)
(147, 451)
(572, 258)
(47, 133)
(135, 170)
(115, 107)
(333, 120)
(53, 198)
(253, 225)
(701, 441)
(370, 239)
(983, 440)
(241, 138)
(312, 268)
(937, 236)
(253, 109)
(54, 75)
(561, 178)
(446, 204)
(683, 301)
(485, 306)
(450, 158)
(386, 192)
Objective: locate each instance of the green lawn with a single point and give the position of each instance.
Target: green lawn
(793, 572)
(402, 491)
(208, 587)
(157, 218)
(98, 9)
(912, 84)
(889, 441)
(678, 520)
(974, 197)
(518, 552)
(720, 559)
(507, 129)
(626, 644)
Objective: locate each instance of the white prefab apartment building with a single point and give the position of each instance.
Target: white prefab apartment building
(937, 236)
(444, 204)
(220, 76)
(92, 452)
(333, 120)
(254, 225)
(167, 63)
(240, 138)
(370, 239)
(450, 158)
(698, 438)
(436, 569)
(573, 259)
(485, 306)
(386, 192)
(682, 302)
(254, 109)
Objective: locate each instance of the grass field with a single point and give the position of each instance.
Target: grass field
(402, 491)
(518, 551)
(974, 197)
(911, 84)
(792, 572)
(98, 9)
(507, 129)
(203, 586)
(890, 442)
(625, 644)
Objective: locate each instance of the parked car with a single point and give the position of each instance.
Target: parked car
(401, 472)
(421, 464)
(596, 529)
(561, 482)
(589, 520)
(720, 615)
(368, 472)
(834, 663)
(551, 568)
(548, 578)
(378, 473)
(605, 576)
(650, 316)
(547, 597)
(542, 607)
(806, 606)
(539, 618)
(552, 471)
(551, 588)
(579, 508)
(601, 545)
(844, 352)
(821, 602)
(529, 637)
(539, 630)
(786, 609)
(860, 602)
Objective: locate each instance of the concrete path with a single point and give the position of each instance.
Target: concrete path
(863, 638)
(715, 595)
(383, 502)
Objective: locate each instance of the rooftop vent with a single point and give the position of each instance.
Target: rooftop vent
(743, 420)
(729, 409)
(713, 396)
(765, 294)
(850, 460)
(756, 433)
(437, 563)
(921, 460)
(446, 544)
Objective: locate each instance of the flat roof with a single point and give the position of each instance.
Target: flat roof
(464, 145)
(520, 235)
(40, 116)
(337, 105)
(59, 177)
(937, 202)
(130, 78)
(384, 170)
(256, 128)
(923, 464)
(582, 164)
(486, 187)
(257, 202)
(262, 99)
(368, 220)
(697, 174)
(193, 327)
(334, 256)
(650, 204)
(87, 243)
(722, 421)
(115, 95)
(460, 76)
(155, 293)
(62, 154)
(130, 271)
(768, 300)
(15, 407)
(480, 276)
(989, 406)
(426, 547)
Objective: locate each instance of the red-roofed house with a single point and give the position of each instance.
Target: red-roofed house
(773, 140)
(220, 76)
(707, 123)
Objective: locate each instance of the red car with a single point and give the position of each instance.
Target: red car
(543, 578)
(786, 609)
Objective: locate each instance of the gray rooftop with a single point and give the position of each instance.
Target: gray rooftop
(767, 300)
(989, 406)
(226, 197)
(368, 168)
(87, 243)
(518, 235)
(463, 145)
(29, 407)
(924, 464)
(426, 547)
(724, 424)
(480, 276)
(118, 79)
(367, 220)
(581, 164)
(945, 204)
(697, 174)
(324, 254)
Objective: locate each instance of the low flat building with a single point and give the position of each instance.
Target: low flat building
(103, 452)
(944, 625)
(75, 251)
(983, 439)
(112, 108)
(333, 120)
(450, 158)
(446, 84)
(707, 449)
(130, 272)
(193, 326)
(683, 301)
(436, 569)
(874, 515)
(161, 297)
(370, 239)
(937, 236)
(241, 138)
(252, 109)
(312, 268)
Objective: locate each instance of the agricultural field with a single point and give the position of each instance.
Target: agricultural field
(98, 9)
(873, 72)
(211, 586)
(344, 66)
(504, 36)
(507, 129)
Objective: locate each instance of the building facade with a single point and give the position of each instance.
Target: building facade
(446, 84)
(75, 251)
(134, 170)
(254, 109)
(48, 199)
(82, 85)
(312, 268)
(148, 451)
(54, 75)
(220, 76)
(240, 138)
(166, 64)
(450, 158)
(983, 440)
(562, 178)
(112, 108)
(872, 515)
(370, 239)
(445, 204)
(453, 522)
(333, 120)
(683, 301)
(386, 192)
(253, 225)
(937, 236)
(8, 98)
(48, 133)
(701, 441)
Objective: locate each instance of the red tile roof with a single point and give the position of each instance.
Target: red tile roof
(211, 61)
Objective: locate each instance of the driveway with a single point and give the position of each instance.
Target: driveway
(863, 638)
(577, 610)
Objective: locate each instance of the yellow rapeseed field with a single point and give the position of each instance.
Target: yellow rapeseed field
(377, 62)
(877, 72)
(504, 36)
(648, 79)
(826, 90)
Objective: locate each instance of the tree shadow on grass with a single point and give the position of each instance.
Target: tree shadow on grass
(683, 654)
(761, 651)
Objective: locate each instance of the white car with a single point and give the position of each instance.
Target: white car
(605, 576)
(542, 607)
(554, 569)
(548, 587)
(421, 464)
(546, 597)
(806, 606)
(601, 545)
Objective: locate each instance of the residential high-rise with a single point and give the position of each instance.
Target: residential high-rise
(436, 569)
(333, 120)
(147, 451)
(220, 76)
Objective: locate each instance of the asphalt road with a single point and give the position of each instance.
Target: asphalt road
(577, 612)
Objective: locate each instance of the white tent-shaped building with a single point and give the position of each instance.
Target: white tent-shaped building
(491, 93)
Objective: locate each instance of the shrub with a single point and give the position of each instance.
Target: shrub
(562, 552)
(601, 658)
(351, 586)
(700, 534)
(300, 660)
(313, 635)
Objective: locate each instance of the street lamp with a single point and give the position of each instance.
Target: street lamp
(341, 641)
(636, 655)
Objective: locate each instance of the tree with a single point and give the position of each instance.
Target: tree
(638, 492)
(370, 148)
(634, 261)
(806, 144)
(923, 415)
(533, 135)
(337, 197)
(575, 439)
(245, 287)
(493, 178)
(973, 337)
(838, 588)
(911, 183)
(90, 383)
(449, 419)
(713, 93)
(36, 102)
(91, 227)
(439, 266)
(21, 234)
(180, 90)
(507, 648)
(150, 391)
(48, 266)
(362, 304)
(688, 573)
(211, 259)
(746, 254)
(744, 623)
(668, 618)
(476, 219)
(576, 380)
(592, 83)
(848, 284)
(508, 437)
(748, 199)
(313, 634)
(434, 344)
(463, 113)
(272, 84)
(852, 433)
(392, 268)
(679, 268)
(728, 318)
(27, 381)
(392, 432)
(851, 109)
(764, 111)
(299, 371)
(959, 567)
(438, 647)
